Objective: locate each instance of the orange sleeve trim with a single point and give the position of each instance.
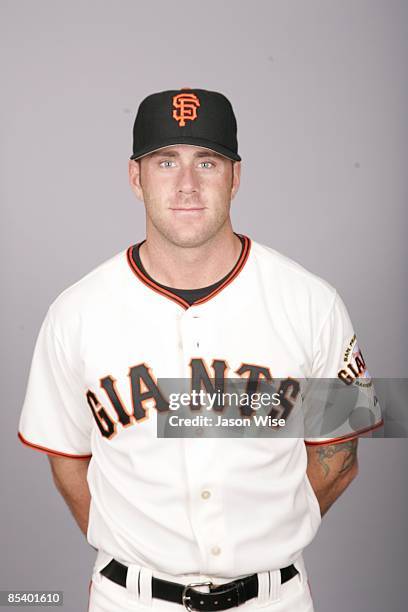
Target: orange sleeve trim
(50, 451)
(347, 437)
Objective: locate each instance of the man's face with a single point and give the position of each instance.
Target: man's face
(187, 192)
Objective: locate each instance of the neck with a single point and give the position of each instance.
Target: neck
(192, 267)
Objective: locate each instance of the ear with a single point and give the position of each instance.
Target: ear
(134, 178)
(236, 178)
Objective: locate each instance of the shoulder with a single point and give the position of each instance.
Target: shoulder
(287, 277)
(298, 301)
(91, 294)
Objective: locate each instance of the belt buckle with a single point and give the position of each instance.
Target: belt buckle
(184, 597)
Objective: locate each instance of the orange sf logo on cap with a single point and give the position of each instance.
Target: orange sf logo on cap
(185, 107)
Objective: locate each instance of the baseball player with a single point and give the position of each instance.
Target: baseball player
(193, 522)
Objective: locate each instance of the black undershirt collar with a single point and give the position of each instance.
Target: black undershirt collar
(189, 295)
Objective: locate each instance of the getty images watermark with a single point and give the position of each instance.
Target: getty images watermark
(312, 409)
(211, 401)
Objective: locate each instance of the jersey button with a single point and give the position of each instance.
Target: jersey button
(216, 550)
(205, 494)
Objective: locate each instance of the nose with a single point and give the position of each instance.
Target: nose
(187, 180)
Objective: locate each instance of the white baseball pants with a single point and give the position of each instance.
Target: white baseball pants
(107, 596)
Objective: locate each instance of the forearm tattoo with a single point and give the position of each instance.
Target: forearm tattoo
(325, 453)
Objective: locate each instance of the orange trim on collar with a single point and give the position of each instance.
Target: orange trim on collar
(152, 284)
(173, 296)
(234, 272)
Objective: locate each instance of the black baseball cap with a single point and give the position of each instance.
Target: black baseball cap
(185, 116)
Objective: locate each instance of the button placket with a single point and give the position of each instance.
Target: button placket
(206, 511)
(205, 508)
(197, 331)
(209, 517)
(191, 331)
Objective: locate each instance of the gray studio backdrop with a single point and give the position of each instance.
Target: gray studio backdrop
(320, 93)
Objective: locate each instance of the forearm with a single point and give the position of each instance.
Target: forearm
(327, 495)
(78, 502)
(71, 482)
(331, 469)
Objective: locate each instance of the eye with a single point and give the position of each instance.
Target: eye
(209, 164)
(165, 163)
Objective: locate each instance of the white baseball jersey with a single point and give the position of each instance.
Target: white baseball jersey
(217, 506)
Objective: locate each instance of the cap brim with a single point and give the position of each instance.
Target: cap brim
(197, 142)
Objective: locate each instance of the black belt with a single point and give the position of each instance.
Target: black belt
(221, 597)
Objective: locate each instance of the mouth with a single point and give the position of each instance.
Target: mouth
(189, 210)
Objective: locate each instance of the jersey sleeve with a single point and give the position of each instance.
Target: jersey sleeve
(55, 417)
(340, 403)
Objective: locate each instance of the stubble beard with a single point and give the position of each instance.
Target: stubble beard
(180, 234)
